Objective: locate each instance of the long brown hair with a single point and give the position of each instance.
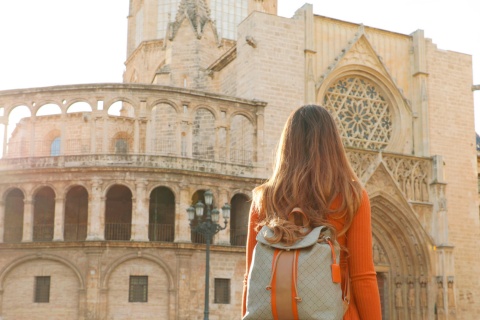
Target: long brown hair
(311, 171)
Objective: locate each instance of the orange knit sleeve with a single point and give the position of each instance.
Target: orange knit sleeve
(360, 263)
(250, 245)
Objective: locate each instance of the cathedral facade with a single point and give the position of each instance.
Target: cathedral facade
(96, 179)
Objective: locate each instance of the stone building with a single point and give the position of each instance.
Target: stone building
(95, 179)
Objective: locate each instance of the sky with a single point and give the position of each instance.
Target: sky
(58, 42)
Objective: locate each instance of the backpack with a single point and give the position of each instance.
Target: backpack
(300, 281)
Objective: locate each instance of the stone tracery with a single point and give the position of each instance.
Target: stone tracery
(362, 113)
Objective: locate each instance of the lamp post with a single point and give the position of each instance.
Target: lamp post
(208, 227)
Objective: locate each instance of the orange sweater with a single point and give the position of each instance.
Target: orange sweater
(364, 296)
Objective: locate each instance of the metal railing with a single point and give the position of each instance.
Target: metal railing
(75, 232)
(161, 232)
(43, 232)
(12, 234)
(118, 231)
(238, 237)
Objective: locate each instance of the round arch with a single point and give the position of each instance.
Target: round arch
(171, 103)
(109, 270)
(405, 254)
(212, 110)
(41, 256)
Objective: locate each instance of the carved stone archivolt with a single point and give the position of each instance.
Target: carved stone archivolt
(400, 247)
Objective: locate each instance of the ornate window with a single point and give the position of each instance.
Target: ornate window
(55, 147)
(363, 115)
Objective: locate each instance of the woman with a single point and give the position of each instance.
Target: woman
(312, 172)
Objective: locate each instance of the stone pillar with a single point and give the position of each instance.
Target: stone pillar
(140, 214)
(216, 146)
(105, 135)
(136, 137)
(419, 100)
(148, 137)
(259, 143)
(224, 235)
(5, 139)
(183, 269)
(182, 227)
(92, 284)
(63, 135)
(310, 90)
(96, 219)
(28, 219)
(228, 132)
(59, 222)
(32, 136)
(2, 221)
(399, 305)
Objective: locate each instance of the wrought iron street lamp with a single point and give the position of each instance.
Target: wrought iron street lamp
(208, 226)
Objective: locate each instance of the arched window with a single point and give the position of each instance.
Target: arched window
(239, 220)
(241, 140)
(161, 224)
(118, 213)
(55, 147)
(43, 214)
(164, 127)
(363, 115)
(13, 226)
(76, 214)
(203, 135)
(121, 146)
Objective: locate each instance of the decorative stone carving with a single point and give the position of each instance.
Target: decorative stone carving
(362, 113)
(440, 300)
(411, 174)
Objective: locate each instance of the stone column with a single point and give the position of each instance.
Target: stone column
(183, 269)
(224, 235)
(140, 213)
(105, 135)
(420, 99)
(28, 219)
(136, 137)
(2, 220)
(32, 136)
(399, 305)
(96, 219)
(182, 227)
(216, 144)
(63, 135)
(259, 142)
(59, 222)
(5, 139)
(92, 284)
(227, 144)
(310, 90)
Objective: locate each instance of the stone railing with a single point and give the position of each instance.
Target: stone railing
(133, 161)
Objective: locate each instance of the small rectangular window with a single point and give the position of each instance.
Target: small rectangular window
(138, 291)
(222, 291)
(42, 289)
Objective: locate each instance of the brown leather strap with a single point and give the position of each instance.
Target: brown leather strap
(284, 286)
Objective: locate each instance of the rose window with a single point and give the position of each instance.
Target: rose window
(362, 114)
